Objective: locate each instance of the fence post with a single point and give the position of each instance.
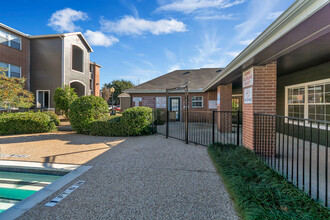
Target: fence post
(155, 120)
(187, 105)
(167, 114)
(237, 136)
(213, 127)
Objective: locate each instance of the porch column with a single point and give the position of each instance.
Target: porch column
(259, 89)
(224, 99)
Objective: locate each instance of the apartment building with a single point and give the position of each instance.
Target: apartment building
(15, 53)
(49, 62)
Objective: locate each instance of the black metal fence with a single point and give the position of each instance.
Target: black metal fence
(202, 127)
(296, 148)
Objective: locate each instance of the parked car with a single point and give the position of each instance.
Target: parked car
(117, 108)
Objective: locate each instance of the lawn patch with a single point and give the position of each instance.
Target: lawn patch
(259, 192)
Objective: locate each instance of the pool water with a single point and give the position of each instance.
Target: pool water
(15, 187)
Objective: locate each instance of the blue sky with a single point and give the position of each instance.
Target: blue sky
(139, 40)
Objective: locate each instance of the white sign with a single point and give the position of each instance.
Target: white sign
(212, 104)
(137, 99)
(218, 99)
(160, 102)
(248, 95)
(64, 194)
(248, 78)
(136, 103)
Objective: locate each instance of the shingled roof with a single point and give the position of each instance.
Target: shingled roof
(197, 78)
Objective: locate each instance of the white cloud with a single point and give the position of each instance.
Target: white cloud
(274, 15)
(136, 26)
(170, 55)
(233, 53)
(208, 52)
(63, 20)
(216, 17)
(97, 38)
(190, 6)
(246, 42)
(259, 10)
(173, 68)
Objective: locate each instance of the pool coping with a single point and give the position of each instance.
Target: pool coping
(72, 172)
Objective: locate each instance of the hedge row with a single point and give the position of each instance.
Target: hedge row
(134, 122)
(89, 115)
(26, 123)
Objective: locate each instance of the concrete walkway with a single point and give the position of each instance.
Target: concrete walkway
(144, 178)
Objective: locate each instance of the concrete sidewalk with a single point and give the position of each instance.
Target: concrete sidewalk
(146, 177)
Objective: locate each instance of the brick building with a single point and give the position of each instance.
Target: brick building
(285, 71)
(48, 62)
(153, 93)
(15, 53)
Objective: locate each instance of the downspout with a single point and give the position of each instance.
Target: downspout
(63, 64)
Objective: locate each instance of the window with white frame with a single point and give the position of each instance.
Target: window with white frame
(11, 70)
(309, 100)
(43, 99)
(10, 39)
(197, 101)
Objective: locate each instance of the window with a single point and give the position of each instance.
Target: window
(296, 100)
(43, 99)
(90, 84)
(10, 40)
(77, 58)
(197, 101)
(310, 100)
(12, 70)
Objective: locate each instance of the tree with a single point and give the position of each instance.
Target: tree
(106, 93)
(12, 92)
(120, 86)
(63, 98)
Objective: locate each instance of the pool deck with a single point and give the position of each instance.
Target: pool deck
(147, 177)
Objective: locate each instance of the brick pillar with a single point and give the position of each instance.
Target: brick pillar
(96, 81)
(224, 95)
(262, 90)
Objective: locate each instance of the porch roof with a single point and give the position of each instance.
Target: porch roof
(298, 39)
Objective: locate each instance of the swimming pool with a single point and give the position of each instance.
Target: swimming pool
(16, 186)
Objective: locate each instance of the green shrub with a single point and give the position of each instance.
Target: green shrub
(25, 123)
(54, 117)
(108, 127)
(133, 122)
(259, 192)
(137, 121)
(86, 110)
(63, 98)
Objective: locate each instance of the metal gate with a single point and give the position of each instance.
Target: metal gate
(201, 127)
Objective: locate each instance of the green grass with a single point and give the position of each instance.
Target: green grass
(259, 192)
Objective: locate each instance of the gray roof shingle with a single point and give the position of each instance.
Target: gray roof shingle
(197, 78)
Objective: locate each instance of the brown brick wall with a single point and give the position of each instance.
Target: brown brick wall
(96, 81)
(225, 119)
(18, 57)
(263, 100)
(206, 97)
